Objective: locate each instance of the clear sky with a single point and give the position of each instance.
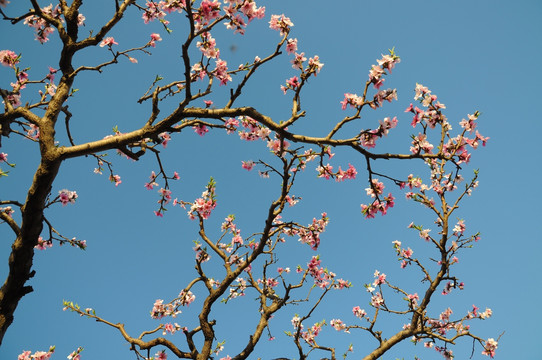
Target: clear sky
(475, 55)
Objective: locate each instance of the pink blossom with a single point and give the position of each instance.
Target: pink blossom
(298, 60)
(377, 300)
(277, 146)
(186, 297)
(8, 58)
(152, 182)
(43, 244)
(165, 194)
(248, 165)
(315, 65)
(51, 89)
(380, 279)
(338, 324)
(447, 288)
(445, 315)
(42, 27)
(291, 46)
(375, 76)
(161, 355)
(152, 12)
(173, 5)
(170, 328)
(360, 313)
(489, 347)
(115, 179)
(199, 71)
(200, 129)
(7, 210)
(67, 196)
(221, 72)
(81, 20)
(165, 137)
(459, 228)
(407, 253)
(208, 46)
(272, 282)
(420, 91)
(33, 132)
(351, 99)
(231, 124)
(388, 61)
(414, 298)
(154, 38)
(108, 41)
(420, 143)
(280, 23)
(210, 9)
(293, 82)
(325, 171)
(424, 234)
(486, 314)
(377, 188)
(38, 355)
(368, 139)
(291, 200)
(350, 173)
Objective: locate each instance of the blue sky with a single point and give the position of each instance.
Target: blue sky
(475, 55)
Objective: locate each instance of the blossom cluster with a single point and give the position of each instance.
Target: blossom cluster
(339, 325)
(327, 172)
(311, 333)
(67, 197)
(8, 210)
(43, 244)
(238, 289)
(237, 12)
(281, 23)
(387, 62)
(404, 255)
(368, 138)
(252, 129)
(236, 15)
(9, 58)
(378, 206)
(455, 146)
(160, 310)
(313, 66)
(165, 193)
(229, 226)
(278, 145)
(38, 355)
(203, 205)
(201, 252)
(311, 234)
(322, 277)
(490, 347)
(42, 27)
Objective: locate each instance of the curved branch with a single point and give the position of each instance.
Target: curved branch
(11, 222)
